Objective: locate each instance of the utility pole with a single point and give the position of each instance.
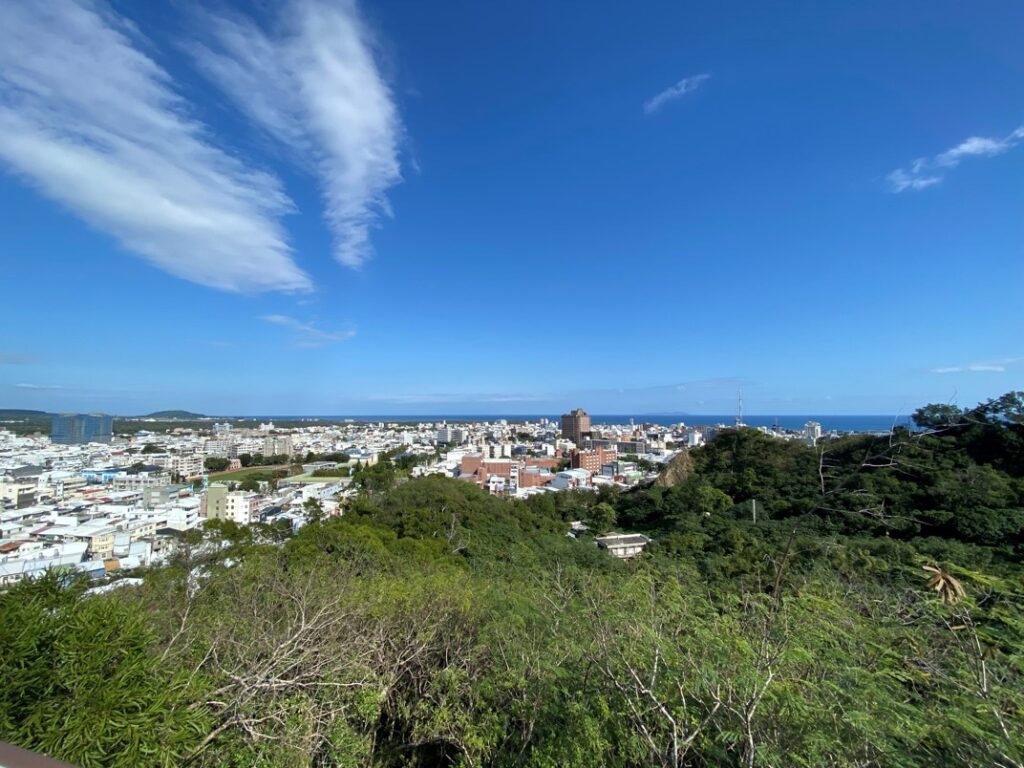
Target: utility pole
(753, 509)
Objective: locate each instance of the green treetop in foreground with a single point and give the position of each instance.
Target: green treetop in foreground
(872, 615)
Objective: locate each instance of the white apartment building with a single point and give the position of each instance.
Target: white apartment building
(141, 480)
(184, 464)
(241, 507)
(812, 433)
(496, 450)
(221, 448)
(277, 445)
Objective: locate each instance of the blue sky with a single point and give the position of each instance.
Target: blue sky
(326, 208)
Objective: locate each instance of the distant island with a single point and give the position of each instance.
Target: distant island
(187, 415)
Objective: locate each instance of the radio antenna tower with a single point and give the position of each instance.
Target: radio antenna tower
(739, 407)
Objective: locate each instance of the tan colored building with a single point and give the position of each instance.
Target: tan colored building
(214, 502)
(101, 542)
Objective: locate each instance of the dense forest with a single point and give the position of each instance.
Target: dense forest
(858, 603)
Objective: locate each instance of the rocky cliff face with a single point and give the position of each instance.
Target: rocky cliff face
(676, 471)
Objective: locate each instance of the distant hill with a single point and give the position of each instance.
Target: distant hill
(22, 421)
(20, 413)
(173, 415)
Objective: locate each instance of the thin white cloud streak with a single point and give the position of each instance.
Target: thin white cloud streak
(680, 89)
(307, 334)
(927, 172)
(96, 125)
(38, 386)
(994, 366)
(314, 86)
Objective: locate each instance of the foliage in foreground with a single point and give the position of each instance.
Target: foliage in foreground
(434, 625)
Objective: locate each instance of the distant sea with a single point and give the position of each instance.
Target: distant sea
(793, 423)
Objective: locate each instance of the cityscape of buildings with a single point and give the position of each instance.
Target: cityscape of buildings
(102, 503)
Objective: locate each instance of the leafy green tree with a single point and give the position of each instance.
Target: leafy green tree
(79, 680)
(698, 497)
(938, 416)
(314, 510)
(600, 518)
(216, 464)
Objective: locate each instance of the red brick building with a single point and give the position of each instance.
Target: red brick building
(477, 469)
(592, 460)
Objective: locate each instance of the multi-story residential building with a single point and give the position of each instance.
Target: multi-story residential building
(186, 465)
(241, 507)
(214, 502)
(101, 539)
(592, 460)
(812, 433)
(454, 435)
(221, 448)
(479, 469)
(576, 426)
(694, 438)
(74, 428)
(136, 482)
(18, 493)
(497, 450)
(638, 447)
(277, 445)
(161, 494)
(66, 485)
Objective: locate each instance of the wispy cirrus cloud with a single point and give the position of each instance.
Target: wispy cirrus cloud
(992, 366)
(308, 334)
(314, 85)
(97, 125)
(680, 89)
(928, 171)
(38, 386)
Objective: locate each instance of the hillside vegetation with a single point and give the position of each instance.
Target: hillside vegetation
(856, 604)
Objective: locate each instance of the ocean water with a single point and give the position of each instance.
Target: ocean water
(828, 423)
(859, 423)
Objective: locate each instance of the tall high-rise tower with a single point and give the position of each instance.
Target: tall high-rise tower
(576, 426)
(72, 428)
